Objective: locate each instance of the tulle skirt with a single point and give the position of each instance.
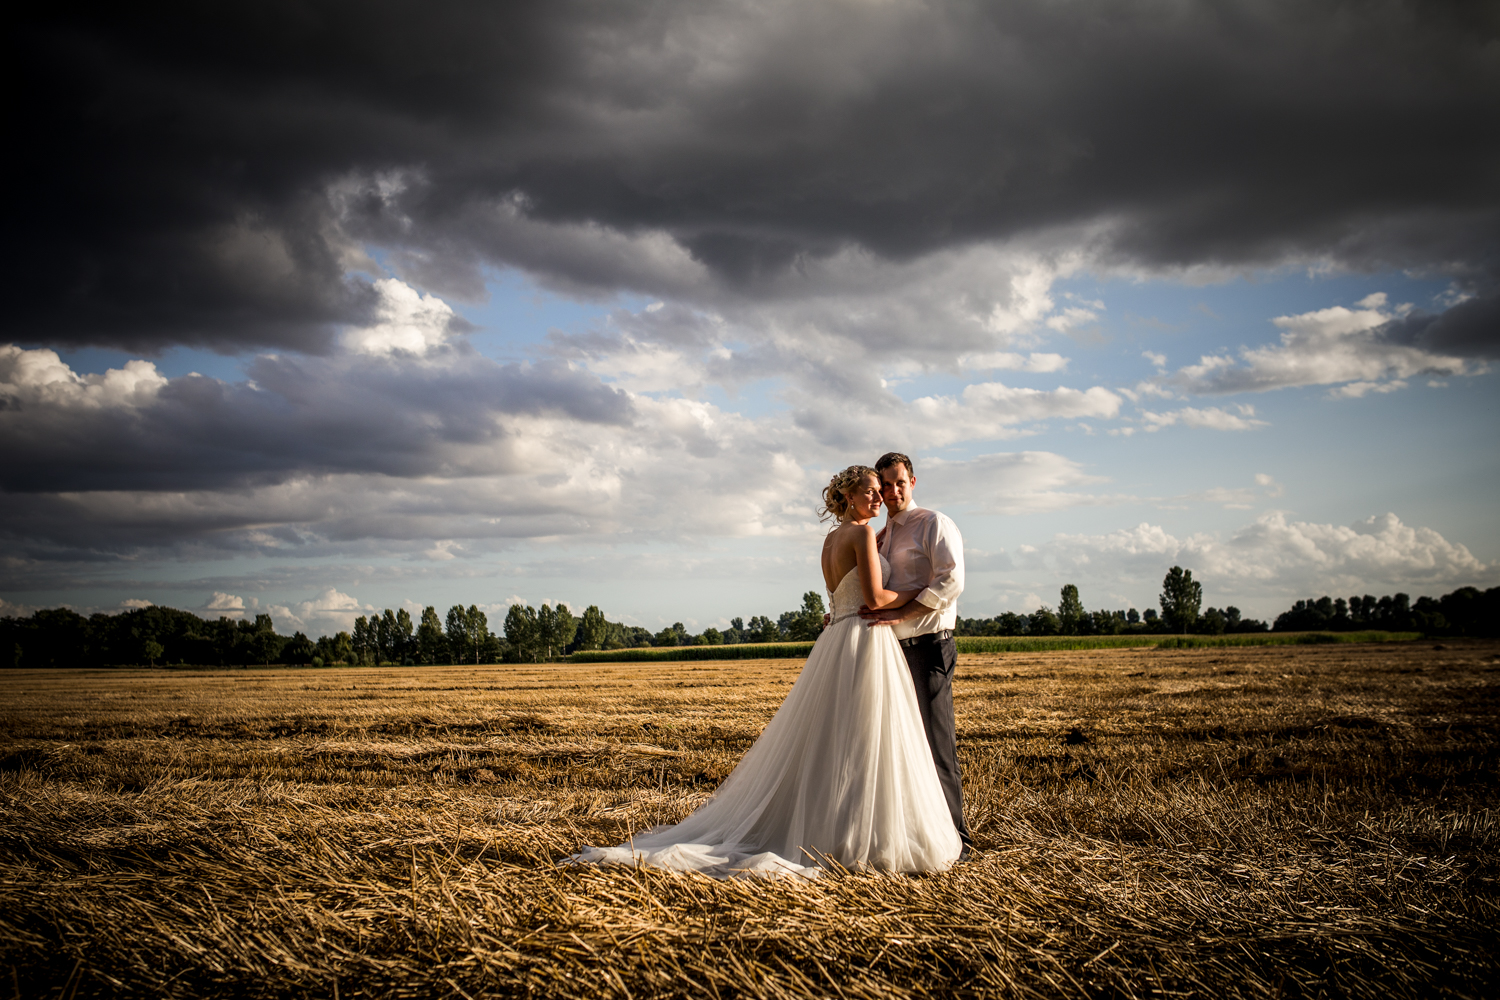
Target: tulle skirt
(842, 775)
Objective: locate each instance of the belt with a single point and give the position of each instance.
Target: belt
(942, 636)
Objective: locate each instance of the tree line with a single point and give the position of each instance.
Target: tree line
(156, 635)
(1465, 611)
(60, 637)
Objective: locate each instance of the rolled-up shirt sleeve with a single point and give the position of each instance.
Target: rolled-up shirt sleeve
(947, 548)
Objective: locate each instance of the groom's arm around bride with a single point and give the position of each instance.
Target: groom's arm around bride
(926, 555)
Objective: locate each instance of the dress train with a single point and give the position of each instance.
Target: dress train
(842, 774)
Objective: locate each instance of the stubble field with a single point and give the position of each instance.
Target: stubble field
(1231, 822)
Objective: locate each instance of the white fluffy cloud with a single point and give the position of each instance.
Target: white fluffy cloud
(325, 614)
(1261, 563)
(1070, 317)
(11, 609)
(1009, 483)
(222, 605)
(39, 378)
(1354, 390)
(1010, 361)
(1207, 418)
(406, 320)
(993, 410)
(843, 322)
(1323, 347)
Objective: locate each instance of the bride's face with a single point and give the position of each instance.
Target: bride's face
(864, 500)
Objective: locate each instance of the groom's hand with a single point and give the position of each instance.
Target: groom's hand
(893, 616)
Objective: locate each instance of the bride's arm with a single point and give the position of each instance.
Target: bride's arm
(867, 557)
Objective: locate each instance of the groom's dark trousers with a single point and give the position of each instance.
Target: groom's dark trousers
(931, 661)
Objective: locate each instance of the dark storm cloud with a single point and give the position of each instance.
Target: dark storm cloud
(356, 518)
(298, 417)
(1470, 329)
(209, 173)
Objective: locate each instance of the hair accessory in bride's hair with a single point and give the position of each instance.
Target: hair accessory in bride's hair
(836, 493)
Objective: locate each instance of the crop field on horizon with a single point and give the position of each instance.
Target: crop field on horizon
(997, 644)
(1233, 821)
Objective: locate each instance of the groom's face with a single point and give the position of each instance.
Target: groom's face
(895, 487)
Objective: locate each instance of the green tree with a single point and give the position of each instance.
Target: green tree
(762, 629)
(713, 637)
(1107, 622)
(152, 650)
(1042, 622)
(493, 649)
(298, 649)
(265, 645)
(806, 624)
(385, 635)
(1181, 597)
(337, 649)
(674, 634)
(592, 628)
(630, 636)
(1069, 611)
(556, 628)
(478, 631)
(403, 646)
(457, 633)
(545, 626)
(393, 636)
(521, 631)
(432, 646)
(363, 640)
(735, 634)
(564, 629)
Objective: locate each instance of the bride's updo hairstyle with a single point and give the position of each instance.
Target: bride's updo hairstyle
(836, 494)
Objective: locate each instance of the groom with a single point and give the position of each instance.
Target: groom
(926, 553)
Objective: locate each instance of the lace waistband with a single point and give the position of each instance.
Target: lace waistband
(839, 618)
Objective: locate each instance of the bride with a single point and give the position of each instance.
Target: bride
(842, 774)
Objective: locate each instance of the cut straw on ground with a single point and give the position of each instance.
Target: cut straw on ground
(1313, 820)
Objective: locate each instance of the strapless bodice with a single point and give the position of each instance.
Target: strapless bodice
(845, 599)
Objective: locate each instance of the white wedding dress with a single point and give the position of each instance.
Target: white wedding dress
(842, 774)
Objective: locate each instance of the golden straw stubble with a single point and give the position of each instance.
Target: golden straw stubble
(1234, 822)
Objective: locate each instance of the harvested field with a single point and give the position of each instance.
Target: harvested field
(1315, 820)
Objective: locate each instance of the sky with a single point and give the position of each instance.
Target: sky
(322, 308)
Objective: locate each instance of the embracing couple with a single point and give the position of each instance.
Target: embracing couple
(858, 768)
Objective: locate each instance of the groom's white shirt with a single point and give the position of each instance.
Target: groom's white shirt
(925, 551)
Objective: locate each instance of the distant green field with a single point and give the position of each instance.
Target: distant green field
(748, 651)
(1283, 639)
(1048, 643)
(996, 644)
